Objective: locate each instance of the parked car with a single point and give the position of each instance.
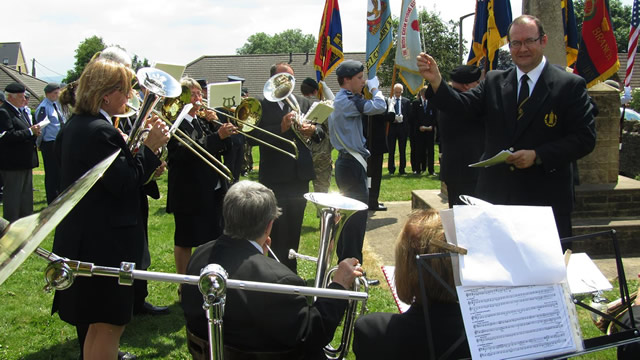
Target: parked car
(630, 114)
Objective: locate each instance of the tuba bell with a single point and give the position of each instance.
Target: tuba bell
(335, 211)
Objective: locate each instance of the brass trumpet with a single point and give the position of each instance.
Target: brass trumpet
(246, 117)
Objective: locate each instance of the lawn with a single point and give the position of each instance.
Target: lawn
(29, 331)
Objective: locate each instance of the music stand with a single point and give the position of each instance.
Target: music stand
(626, 336)
(423, 264)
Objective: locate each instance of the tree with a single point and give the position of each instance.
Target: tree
(620, 17)
(85, 51)
(292, 40)
(440, 39)
(136, 63)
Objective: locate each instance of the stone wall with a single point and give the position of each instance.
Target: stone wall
(602, 165)
(629, 154)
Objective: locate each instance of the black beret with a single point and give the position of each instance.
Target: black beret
(465, 74)
(15, 88)
(349, 68)
(311, 83)
(234, 78)
(202, 83)
(51, 87)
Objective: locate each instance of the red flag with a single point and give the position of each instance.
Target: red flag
(598, 52)
(329, 50)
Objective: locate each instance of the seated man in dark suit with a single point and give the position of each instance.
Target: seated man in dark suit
(404, 336)
(282, 326)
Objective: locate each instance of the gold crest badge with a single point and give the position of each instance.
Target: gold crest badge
(551, 119)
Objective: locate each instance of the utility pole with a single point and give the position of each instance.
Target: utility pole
(460, 41)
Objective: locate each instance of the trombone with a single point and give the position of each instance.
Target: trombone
(246, 117)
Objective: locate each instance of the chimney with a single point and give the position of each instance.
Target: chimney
(33, 67)
(306, 61)
(290, 57)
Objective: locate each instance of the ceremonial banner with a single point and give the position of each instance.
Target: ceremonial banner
(633, 42)
(408, 47)
(489, 31)
(329, 50)
(598, 52)
(379, 34)
(570, 31)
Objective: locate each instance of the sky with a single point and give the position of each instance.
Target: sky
(179, 32)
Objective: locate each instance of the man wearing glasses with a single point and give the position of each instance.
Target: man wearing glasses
(539, 112)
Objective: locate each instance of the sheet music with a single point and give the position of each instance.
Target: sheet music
(584, 276)
(520, 322)
(499, 158)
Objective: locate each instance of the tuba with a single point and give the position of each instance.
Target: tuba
(335, 211)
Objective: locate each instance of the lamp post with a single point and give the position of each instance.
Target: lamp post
(460, 26)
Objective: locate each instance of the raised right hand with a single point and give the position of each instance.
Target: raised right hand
(428, 68)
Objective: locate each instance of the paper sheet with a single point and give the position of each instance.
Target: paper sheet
(507, 245)
(499, 158)
(522, 322)
(44, 122)
(584, 276)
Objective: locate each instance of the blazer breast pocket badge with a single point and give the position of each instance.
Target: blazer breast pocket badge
(551, 119)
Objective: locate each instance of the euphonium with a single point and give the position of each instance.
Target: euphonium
(335, 211)
(280, 88)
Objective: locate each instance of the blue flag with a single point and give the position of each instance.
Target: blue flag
(489, 30)
(379, 34)
(570, 31)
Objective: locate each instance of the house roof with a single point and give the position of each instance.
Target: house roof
(255, 69)
(34, 86)
(10, 52)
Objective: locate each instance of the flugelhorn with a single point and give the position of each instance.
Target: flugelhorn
(247, 116)
(280, 87)
(335, 211)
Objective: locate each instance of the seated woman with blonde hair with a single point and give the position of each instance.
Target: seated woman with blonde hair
(404, 336)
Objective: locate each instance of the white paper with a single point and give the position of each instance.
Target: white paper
(584, 276)
(499, 158)
(508, 245)
(44, 123)
(175, 70)
(523, 322)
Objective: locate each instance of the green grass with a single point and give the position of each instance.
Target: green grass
(28, 331)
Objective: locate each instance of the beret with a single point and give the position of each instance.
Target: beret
(15, 88)
(202, 83)
(234, 78)
(465, 74)
(349, 68)
(51, 87)
(311, 83)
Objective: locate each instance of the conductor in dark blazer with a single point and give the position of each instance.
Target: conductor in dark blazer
(284, 326)
(545, 120)
(18, 154)
(461, 141)
(287, 177)
(107, 226)
(423, 127)
(405, 335)
(400, 112)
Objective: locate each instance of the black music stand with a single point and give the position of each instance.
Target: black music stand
(626, 336)
(423, 264)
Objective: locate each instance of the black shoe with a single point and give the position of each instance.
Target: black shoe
(431, 173)
(373, 282)
(148, 309)
(401, 172)
(380, 207)
(126, 356)
(391, 172)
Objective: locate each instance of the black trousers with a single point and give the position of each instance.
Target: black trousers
(374, 171)
(457, 188)
(51, 171)
(422, 145)
(399, 134)
(286, 230)
(351, 179)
